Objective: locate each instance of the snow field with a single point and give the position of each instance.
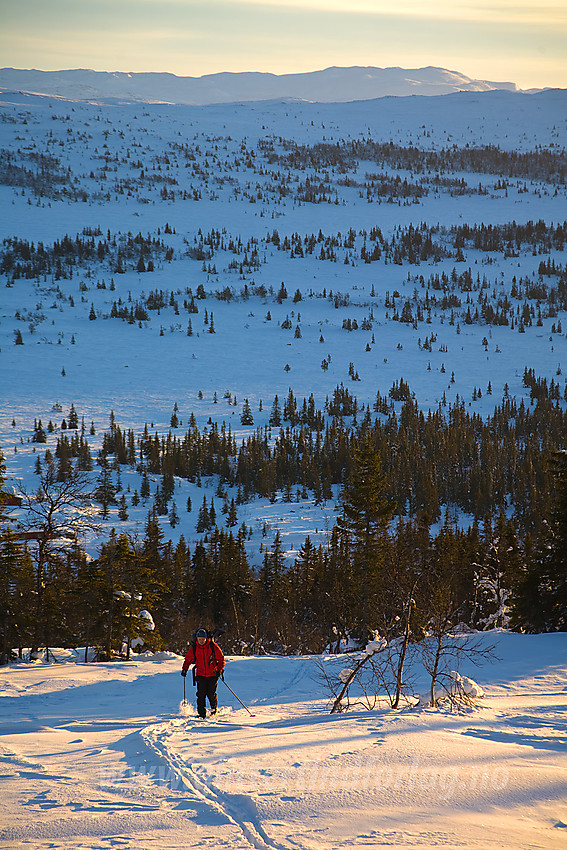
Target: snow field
(102, 757)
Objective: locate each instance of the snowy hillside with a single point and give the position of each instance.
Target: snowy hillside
(231, 202)
(94, 756)
(331, 85)
(203, 308)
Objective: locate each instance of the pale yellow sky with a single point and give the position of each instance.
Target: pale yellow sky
(504, 10)
(498, 40)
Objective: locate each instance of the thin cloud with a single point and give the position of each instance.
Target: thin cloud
(516, 11)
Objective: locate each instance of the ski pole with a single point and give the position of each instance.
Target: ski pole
(184, 699)
(238, 698)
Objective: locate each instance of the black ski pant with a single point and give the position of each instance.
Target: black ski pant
(206, 689)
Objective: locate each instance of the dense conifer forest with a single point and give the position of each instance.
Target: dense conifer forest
(507, 472)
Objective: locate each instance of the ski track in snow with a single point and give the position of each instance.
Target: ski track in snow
(107, 764)
(238, 809)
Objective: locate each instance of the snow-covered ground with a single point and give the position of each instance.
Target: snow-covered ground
(141, 370)
(100, 756)
(104, 756)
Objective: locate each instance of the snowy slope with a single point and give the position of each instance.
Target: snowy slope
(141, 370)
(98, 756)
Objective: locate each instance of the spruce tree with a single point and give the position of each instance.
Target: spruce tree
(273, 587)
(16, 590)
(84, 460)
(540, 600)
(366, 513)
(90, 604)
(173, 515)
(231, 517)
(123, 509)
(246, 417)
(204, 520)
(145, 486)
(39, 435)
(105, 491)
(73, 419)
(64, 455)
(276, 413)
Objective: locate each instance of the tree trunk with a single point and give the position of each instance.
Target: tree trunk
(38, 626)
(87, 638)
(435, 670)
(236, 617)
(6, 650)
(402, 659)
(337, 703)
(109, 622)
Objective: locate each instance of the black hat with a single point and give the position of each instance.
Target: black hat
(201, 633)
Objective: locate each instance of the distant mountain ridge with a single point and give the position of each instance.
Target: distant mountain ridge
(332, 85)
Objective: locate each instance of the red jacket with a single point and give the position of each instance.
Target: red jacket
(208, 659)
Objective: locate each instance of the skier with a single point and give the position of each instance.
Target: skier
(208, 659)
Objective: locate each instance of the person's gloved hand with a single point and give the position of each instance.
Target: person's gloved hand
(184, 673)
